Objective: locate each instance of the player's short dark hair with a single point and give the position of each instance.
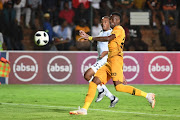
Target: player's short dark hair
(117, 14)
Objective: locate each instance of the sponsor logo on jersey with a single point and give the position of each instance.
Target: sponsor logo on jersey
(25, 68)
(59, 68)
(130, 68)
(87, 63)
(160, 68)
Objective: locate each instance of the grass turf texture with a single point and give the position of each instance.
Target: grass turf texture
(53, 102)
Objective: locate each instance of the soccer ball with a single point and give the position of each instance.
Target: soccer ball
(41, 38)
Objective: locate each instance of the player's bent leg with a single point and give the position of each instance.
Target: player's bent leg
(134, 91)
(89, 98)
(88, 75)
(128, 89)
(91, 92)
(108, 93)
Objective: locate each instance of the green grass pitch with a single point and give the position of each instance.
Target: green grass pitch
(53, 102)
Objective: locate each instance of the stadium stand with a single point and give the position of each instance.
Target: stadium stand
(150, 35)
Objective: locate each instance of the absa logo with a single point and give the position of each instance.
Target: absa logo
(59, 68)
(25, 68)
(160, 68)
(131, 68)
(87, 63)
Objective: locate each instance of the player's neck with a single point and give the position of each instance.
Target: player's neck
(107, 29)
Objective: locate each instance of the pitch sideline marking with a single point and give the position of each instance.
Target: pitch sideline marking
(167, 115)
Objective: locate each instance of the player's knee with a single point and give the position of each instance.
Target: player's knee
(96, 80)
(87, 76)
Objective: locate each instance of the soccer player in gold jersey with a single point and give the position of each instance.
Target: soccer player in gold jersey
(113, 68)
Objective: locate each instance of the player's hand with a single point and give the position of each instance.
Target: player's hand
(83, 35)
(100, 57)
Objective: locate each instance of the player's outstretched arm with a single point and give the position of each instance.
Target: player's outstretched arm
(102, 39)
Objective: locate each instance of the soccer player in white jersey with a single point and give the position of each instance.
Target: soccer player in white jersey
(102, 48)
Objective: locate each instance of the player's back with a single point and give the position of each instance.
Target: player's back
(116, 45)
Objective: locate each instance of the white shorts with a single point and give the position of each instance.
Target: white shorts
(99, 63)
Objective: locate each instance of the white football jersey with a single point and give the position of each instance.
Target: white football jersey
(103, 46)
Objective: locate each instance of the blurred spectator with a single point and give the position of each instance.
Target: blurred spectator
(170, 9)
(81, 13)
(116, 7)
(178, 8)
(1, 32)
(67, 13)
(95, 3)
(169, 34)
(36, 8)
(4, 1)
(48, 28)
(9, 22)
(139, 4)
(82, 45)
(1, 41)
(109, 4)
(134, 38)
(77, 3)
(96, 28)
(61, 4)
(1, 5)
(23, 7)
(154, 6)
(126, 6)
(1, 20)
(18, 38)
(50, 6)
(13, 34)
(104, 9)
(64, 32)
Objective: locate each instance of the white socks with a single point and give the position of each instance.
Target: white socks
(100, 88)
(103, 87)
(108, 93)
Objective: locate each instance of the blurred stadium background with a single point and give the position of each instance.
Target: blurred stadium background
(150, 25)
(151, 57)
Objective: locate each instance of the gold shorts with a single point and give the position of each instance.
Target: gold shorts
(112, 69)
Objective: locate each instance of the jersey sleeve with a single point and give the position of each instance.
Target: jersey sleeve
(116, 31)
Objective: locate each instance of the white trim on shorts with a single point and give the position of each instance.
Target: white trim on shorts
(99, 63)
